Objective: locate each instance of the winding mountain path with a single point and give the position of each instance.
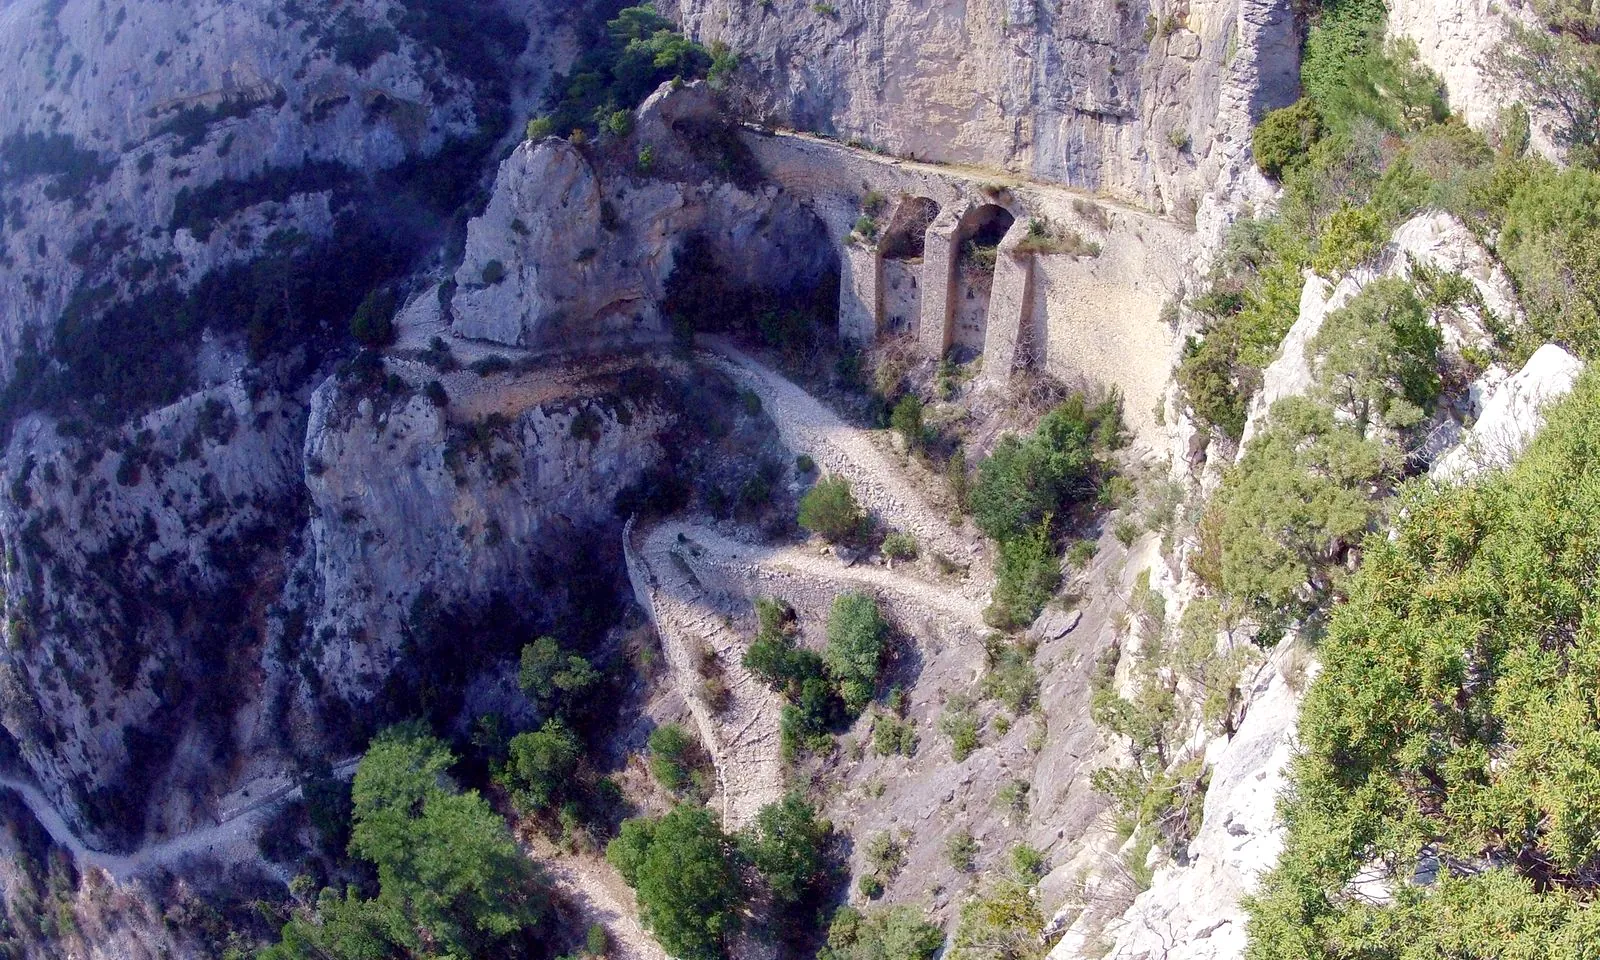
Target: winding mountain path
(232, 839)
(598, 893)
(807, 426)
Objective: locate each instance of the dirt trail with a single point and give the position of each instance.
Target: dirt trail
(743, 738)
(806, 426)
(599, 894)
(756, 563)
(232, 839)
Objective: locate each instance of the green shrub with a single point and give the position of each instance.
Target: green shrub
(1004, 922)
(449, 874)
(596, 941)
(1453, 719)
(789, 846)
(899, 545)
(682, 868)
(1028, 863)
(857, 640)
(899, 932)
(907, 421)
(541, 765)
(893, 736)
(885, 854)
(1025, 578)
(1353, 235)
(804, 464)
(829, 510)
(1028, 479)
(1376, 360)
(962, 851)
(493, 272)
(1343, 35)
(960, 724)
(1551, 245)
(870, 886)
(1286, 515)
(549, 674)
(670, 754)
(539, 128)
(1011, 677)
(373, 323)
(1284, 138)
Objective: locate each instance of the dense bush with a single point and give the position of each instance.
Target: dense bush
(1003, 922)
(541, 765)
(1028, 479)
(812, 706)
(450, 877)
(1377, 359)
(857, 639)
(1275, 535)
(899, 932)
(637, 51)
(373, 323)
(830, 510)
(551, 675)
(1284, 138)
(1026, 578)
(906, 419)
(671, 756)
(1453, 727)
(683, 869)
(1551, 244)
(789, 845)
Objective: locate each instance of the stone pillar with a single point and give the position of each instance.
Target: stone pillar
(1010, 306)
(939, 262)
(860, 293)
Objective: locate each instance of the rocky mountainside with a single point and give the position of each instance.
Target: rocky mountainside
(1143, 103)
(712, 426)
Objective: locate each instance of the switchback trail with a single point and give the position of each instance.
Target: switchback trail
(232, 839)
(807, 426)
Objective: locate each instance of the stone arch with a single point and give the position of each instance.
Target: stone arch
(908, 228)
(900, 265)
(977, 251)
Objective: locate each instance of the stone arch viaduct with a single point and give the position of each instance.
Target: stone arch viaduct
(925, 274)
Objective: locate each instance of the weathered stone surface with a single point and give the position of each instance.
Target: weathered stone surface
(1192, 912)
(1085, 93)
(541, 267)
(1512, 415)
(1454, 38)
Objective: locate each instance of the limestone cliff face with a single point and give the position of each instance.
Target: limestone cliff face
(407, 499)
(1144, 102)
(564, 256)
(145, 142)
(1454, 38)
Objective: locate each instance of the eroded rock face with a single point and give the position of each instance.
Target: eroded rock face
(1090, 93)
(133, 590)
(564, 256)
(117, 121)
(1511, 415)
(542, 265)
(144, 145)
(403, 500)
(1193, 912)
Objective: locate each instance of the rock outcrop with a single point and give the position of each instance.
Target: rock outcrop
(1142, 104)
(564, 255)
(1511, 415)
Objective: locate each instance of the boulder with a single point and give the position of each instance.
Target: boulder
(1511, 416)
